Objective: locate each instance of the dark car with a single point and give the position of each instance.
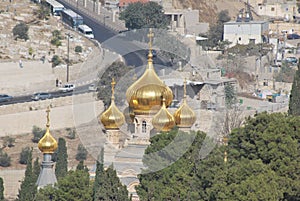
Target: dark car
(293, 36)
(292, 60)
(5, 98)
(40, 96)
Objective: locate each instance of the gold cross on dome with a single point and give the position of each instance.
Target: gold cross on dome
(150, 35)
(113, 83)
(48, 116)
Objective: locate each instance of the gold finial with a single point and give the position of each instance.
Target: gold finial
(113, 83)
(184, 89)
(48, 117)
(150, 36)
(225, 156)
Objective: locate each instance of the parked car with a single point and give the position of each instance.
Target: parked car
(67, 88)
(93, 87)
(292, 60)
(40, 96)
(5, 98)
(293, 36)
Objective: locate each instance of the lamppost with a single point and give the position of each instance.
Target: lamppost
(104, 17)
(68, 59)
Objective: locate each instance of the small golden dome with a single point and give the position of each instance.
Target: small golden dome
(184, 116)
(47, 143)
(145, 95)
(112, 118)
(163, 120)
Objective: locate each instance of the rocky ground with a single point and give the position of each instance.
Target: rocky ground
(40, 34)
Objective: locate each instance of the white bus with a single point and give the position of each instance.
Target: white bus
(86, 31)
(55, 7)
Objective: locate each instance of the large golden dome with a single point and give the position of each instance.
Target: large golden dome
(163, 120)
(47, 143)
(112, 118)
(184, 116)
(145, 95)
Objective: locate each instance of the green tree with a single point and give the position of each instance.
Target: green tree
(38, 133)
(215, 33)
(144, 15)
(28, 187)
(111, 189)
(116, 70)
(61, 167)
(24, 155)
(43, 12)
(81, 153)
(230, 95)
(36, 168)
(21, 31)
(4, 159)
(263, 161)
(56, 60)
(8, 141)
(294, 103)
(82, 191)
(99, 177)
(1, 189)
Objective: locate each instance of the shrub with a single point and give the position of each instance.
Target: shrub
(81, 153)
(24, 155)
(78, 49)
(56, 60)
(56, 42)
(4, 159)
(21, 31)
(8, 141)
(38, 133)
(71, 133)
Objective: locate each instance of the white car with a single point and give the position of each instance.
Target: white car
(67, 88)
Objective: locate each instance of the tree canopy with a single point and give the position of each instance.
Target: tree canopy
(144, 15)
(294, 103)
(215, 33)
(263, 161)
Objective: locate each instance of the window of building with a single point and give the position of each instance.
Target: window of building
(251, 41)
(272, 9)
(144, 127)
(240, 38)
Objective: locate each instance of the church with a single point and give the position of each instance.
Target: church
(148, 99)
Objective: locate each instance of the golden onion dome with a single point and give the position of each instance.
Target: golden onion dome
(163, 120)
(47, 143)
(112, 118)
(144, 96)
(184, 116)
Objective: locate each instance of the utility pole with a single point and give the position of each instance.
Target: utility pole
(68, 59)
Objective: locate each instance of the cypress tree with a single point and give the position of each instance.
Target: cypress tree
(111, 188)
(36, 168)
(61, 167)
(99, 175)
(1, 189)
(294, 103)
(28, 188)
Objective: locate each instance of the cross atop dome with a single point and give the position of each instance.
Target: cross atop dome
(48, 117)
(150, 35)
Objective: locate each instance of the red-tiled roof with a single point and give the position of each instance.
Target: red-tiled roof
(123, 3)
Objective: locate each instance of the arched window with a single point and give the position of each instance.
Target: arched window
(144, 127)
